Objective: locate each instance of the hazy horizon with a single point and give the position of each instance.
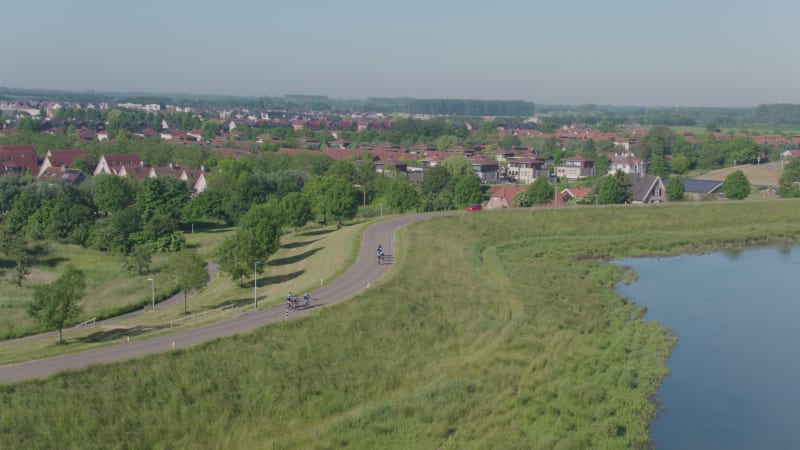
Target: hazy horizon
(621, 53)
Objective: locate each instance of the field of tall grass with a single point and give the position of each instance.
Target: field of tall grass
(494, 330)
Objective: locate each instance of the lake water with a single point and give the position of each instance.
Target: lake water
(735, 371)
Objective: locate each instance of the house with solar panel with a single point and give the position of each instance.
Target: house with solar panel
(698, 189)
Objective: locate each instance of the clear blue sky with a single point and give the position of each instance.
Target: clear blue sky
(621, 52)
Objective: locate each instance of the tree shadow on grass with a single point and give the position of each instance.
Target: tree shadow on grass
(293, 259)
(237, 302)
(298, 244)
(317, 232)
(206, 227)
(276, 279)
(112, 334)
(51, 262)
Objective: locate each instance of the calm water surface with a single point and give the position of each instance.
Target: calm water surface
(735, 371)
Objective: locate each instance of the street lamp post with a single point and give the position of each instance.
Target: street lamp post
(153, 291)
(255, 285)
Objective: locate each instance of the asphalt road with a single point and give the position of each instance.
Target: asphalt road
(365, 271)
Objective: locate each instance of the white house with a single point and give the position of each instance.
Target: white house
(627, 163)
(112, 163)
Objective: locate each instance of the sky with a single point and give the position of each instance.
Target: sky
(613, 52)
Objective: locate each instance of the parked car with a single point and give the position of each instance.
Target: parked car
(474, 208)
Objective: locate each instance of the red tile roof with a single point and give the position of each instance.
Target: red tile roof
(122, 159)
(342, 154)
(578, 192)
(506, 191)
(67, 175)
(14, 159)
(166, 171)
(64, 157)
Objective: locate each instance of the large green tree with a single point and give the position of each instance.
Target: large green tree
(613, 189)
(10, 187)
(70, 215)
(331, 197)
(237, 255)
(14, 248)
(118, 233)
(24, 206)
(297, 209)
(541, 192)
(675, 189)
(467, 190)
(401, 195)
(265, 222)
(138, 260)
(787, 183)
(435, 180)
(163, 195)
(656, 146)
(208, 203)
(710, 155)
(458, 166)
(736, 185)
(187, 271)
(740, 150)
(210, 128)
(680, 164)
(56, 303)
(112, 193)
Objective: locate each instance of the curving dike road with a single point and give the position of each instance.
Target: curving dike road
(364, 271)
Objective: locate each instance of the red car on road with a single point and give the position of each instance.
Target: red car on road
(471, 208)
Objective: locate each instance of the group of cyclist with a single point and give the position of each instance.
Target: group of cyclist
(290, 298)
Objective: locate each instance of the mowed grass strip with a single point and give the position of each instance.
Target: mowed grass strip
(497, 330)
(306, 258)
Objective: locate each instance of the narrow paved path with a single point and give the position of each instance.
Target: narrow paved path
(358, 277)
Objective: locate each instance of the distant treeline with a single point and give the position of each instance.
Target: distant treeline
(744, 118)
(451, 106)
(781, 114)
(293, 102)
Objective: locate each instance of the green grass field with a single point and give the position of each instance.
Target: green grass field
(306, 257)
(110, 289)
(758, 175)
(494, 330)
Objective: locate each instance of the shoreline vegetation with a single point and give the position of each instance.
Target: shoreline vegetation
(496, 329)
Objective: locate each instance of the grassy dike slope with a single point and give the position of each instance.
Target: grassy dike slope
(493, 330)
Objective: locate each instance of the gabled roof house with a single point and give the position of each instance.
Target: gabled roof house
(61, 158)
(16, 159)
(112, 163)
